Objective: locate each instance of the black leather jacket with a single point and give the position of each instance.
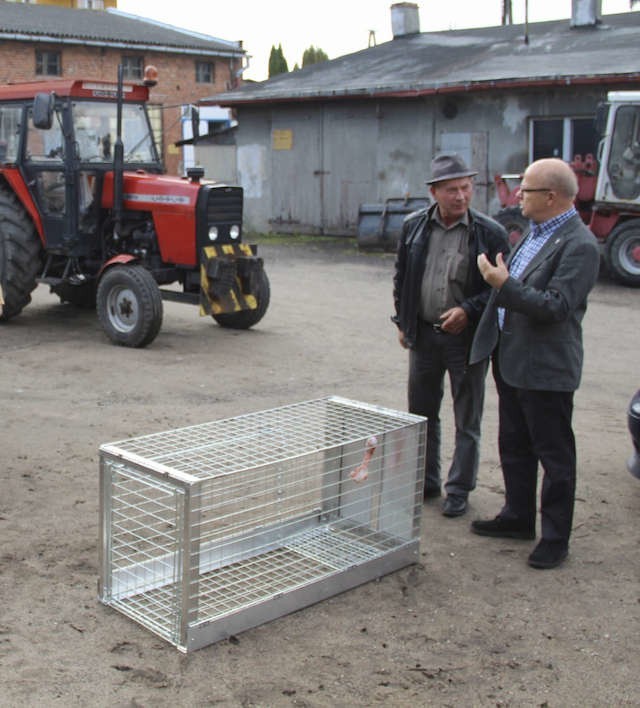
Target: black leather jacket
(485, 236)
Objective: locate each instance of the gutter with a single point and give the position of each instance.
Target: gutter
(165, 49)
(465, 87)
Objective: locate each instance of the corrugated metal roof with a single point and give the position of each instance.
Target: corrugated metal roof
(106, 27)
(463, 60)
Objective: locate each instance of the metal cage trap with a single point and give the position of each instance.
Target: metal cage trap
(212, 529)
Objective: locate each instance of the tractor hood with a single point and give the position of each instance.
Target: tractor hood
(146, 191)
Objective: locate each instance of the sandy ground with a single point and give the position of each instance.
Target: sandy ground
(471, 624)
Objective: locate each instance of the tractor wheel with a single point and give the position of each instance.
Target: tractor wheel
(513, 221)
(622, 252)
(247, 318)
(129, 305)
(20, 255)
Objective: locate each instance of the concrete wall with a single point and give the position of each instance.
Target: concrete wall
(306, 168)
(219, 162)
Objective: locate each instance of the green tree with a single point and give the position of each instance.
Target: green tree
(313, 55)
(277, 62)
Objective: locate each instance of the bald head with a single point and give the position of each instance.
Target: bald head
(548, 189)
(557, 175)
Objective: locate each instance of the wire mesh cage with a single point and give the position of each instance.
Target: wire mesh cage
(214, 528)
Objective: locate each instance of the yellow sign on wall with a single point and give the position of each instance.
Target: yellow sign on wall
(282, 139)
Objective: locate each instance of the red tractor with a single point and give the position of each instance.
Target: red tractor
(86, 209)
(608, 198)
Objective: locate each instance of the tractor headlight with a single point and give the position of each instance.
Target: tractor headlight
(213, 233)
(234, 232)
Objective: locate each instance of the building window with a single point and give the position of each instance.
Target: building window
(205, 73)
(132, 67)
(48, 63)
(91, 4)
(562, 137)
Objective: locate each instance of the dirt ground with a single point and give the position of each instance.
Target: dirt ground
(470, 625)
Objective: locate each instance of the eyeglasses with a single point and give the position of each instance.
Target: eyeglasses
(524, 190)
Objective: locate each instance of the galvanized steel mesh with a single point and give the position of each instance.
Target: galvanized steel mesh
(203, 521)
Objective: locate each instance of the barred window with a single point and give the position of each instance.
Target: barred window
(132, 67)
(205, 72)
(48, 63)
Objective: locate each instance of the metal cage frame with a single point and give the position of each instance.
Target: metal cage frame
(215, 528)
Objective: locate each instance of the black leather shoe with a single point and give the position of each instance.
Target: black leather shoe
(454, 505)
(548, 554)
(503, 528)
(431, 491)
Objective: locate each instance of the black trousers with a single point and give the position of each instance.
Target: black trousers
(435, 355)
(535, 427)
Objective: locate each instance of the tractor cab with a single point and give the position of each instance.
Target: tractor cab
(68, 149)
(619, 178)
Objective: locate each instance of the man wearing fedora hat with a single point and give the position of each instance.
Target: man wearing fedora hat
(439, 295)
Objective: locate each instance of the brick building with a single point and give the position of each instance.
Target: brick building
(51, 39)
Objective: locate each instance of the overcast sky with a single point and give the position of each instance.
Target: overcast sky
(336, 26)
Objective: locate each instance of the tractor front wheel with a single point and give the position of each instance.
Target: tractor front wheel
(129, 305)
(247, 318)
(622, 252)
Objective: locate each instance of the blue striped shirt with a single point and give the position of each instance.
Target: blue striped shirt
(538, 235)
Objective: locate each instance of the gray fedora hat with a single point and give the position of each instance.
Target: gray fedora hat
(448, 165)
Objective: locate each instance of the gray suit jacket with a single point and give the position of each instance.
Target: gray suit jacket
(541, 341)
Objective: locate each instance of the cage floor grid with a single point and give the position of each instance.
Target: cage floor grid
(303, 559)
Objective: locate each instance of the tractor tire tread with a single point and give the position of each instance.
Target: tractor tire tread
(20, 254)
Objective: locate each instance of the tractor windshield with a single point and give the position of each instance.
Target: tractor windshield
(624, 158)
(95, 126)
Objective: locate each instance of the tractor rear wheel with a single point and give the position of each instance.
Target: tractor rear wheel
(513, 221)
(247, 318)
(20, 255)
(622, 252)
(129, 305)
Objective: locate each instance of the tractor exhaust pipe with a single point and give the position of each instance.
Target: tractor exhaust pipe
(118, 160)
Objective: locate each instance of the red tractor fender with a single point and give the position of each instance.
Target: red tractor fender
(507, 196)
(120, 259)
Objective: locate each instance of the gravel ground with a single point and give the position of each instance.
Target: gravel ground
(470, 624)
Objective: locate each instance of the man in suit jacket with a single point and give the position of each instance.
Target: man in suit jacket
(532, 326)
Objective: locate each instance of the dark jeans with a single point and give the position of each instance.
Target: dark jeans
(437, 353)
(535, 427)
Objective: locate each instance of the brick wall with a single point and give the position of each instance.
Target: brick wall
(176, 79)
